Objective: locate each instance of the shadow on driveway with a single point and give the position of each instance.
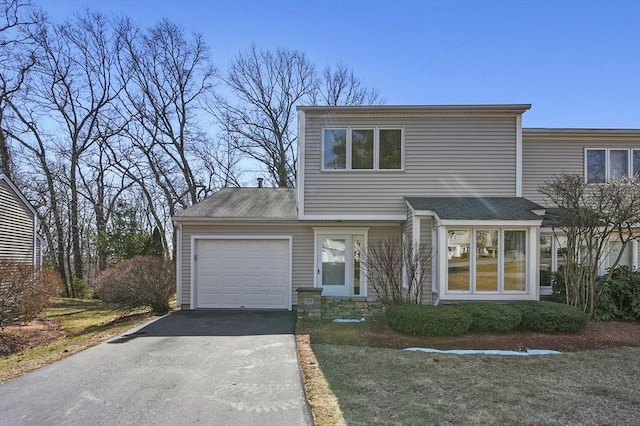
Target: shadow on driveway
(217, 323)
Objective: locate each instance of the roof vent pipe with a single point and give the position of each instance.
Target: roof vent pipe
(260, 180)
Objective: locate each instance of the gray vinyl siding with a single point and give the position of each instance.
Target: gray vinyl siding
(16, 226)
(443, 156)
(302, 262)
(549, 153)
(376, 234)
(303, 246)
(426, 244)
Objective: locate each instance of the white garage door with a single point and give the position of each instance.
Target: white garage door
(238, 273)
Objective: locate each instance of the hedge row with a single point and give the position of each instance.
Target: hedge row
(452, 320)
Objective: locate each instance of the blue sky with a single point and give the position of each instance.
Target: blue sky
(577, 62)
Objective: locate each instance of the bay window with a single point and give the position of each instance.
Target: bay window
(498, 264)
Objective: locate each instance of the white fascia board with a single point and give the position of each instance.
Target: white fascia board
(502, 223)
(302, 122)
(356, 217)
(519, 155)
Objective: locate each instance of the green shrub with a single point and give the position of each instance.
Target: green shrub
(81, 289)
(551, 317)
(492, 317)
(138, 282)
(420, 320)
(620, 299)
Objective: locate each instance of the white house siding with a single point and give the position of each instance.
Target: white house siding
(549, 152)
(16, 226)
(445, 155)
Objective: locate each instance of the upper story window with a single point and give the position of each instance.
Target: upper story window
(604, 164)
(362, 149)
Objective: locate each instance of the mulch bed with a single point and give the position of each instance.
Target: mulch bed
(19, 337)
(596, 335)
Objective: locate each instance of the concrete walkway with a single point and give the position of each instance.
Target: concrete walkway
(206, 367)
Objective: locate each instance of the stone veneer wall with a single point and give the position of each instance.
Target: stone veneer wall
(312, 305)
(350, 308)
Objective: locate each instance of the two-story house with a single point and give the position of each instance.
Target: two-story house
(461, 181)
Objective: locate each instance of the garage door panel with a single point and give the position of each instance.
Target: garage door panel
(243, 274)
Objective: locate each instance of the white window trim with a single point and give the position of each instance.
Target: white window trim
(318, 231)
(376, 149)
(531, 273)
(607, 162)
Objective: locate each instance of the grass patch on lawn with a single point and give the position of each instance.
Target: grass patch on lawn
(390, 386)
(85, 323)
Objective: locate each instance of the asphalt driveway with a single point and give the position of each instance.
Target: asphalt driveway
(208, 367)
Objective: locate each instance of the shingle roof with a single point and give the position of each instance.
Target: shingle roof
(478, 208)
(245, 203)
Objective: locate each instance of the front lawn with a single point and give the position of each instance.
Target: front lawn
(67, 327)
(378, 383)
(391, 386)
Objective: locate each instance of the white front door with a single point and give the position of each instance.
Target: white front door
(339, 267)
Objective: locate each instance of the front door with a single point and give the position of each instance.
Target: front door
(339, 266)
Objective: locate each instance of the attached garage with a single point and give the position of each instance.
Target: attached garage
(241, 272)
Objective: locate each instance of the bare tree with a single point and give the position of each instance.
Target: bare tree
(16, 59)
(591, 216)
(260, 121)
(397, 270)
(340, 86)
(74, 68)
(266, 86)
(168, 76)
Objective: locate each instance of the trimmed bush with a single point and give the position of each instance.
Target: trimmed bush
(139, 282)
(492, 317)
(25, 290)
(426, 320)
(551, 317)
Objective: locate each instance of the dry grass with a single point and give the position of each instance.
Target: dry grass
(324, 404)
(389, 386)
(84, 323)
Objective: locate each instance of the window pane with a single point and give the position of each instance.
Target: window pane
(595, 165)
(362, 149)
(333, 261)
(487, 260)
(458, 264)
(546, 250)
(390, 149)
(626, 258)
(515, 260)
(335, 149)
(561, 251)
(618, 163)
(636, 164)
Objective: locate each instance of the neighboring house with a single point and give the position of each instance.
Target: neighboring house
(461, 181)
(19, 239)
